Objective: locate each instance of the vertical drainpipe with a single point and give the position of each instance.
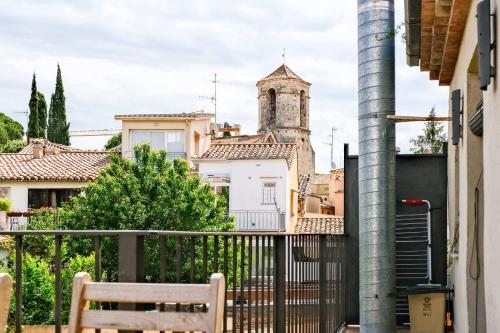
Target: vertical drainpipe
(377, 202)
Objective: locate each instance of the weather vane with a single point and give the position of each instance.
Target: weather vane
(284, 56)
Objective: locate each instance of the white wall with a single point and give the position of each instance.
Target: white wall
(247, 177)
(18, 192)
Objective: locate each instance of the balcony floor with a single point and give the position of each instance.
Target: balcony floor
(355, 329)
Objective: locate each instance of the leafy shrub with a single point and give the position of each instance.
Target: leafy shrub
(5, 204)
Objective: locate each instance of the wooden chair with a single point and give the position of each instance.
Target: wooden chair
(84, 290)
(5, 289)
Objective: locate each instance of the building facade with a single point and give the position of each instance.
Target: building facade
(259, 181)
(284, 113)
(443, 39)
(183, 135)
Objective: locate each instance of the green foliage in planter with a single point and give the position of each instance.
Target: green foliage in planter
(5, 204)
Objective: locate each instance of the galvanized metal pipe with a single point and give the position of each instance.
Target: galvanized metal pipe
(377, 202)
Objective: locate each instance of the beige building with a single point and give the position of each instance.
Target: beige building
(183, 135)
(442, 38)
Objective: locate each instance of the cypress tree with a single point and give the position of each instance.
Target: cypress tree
(42, 115)
(58, 129)
(33, 112)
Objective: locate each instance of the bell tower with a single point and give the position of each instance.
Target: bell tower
(284, 110)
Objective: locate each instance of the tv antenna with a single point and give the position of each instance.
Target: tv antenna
(214, 97)
(331, 136)
(27, 114)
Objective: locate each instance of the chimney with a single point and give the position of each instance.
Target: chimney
(37, 149)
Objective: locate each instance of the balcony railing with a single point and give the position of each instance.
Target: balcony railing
(258, 220)
(276, 282)
(170, 155)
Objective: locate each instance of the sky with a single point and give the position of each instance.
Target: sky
(123, 56)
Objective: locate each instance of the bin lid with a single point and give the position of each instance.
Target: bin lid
(426, 289)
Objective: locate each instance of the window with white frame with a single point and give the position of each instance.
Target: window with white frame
(171, 140)
(268, 193)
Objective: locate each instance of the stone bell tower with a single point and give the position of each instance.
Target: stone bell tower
(284, 112)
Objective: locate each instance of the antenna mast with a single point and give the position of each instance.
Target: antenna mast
(215, 96)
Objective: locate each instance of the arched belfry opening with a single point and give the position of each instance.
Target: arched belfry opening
(271, 96)
(303, 109)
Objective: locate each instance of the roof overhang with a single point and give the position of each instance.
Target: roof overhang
(163, 117)
(434, 31)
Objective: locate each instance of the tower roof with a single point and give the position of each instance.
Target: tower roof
(283, 72)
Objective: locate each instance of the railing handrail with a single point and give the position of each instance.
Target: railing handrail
(153, 233)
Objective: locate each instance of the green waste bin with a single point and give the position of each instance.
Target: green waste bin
(427, 304)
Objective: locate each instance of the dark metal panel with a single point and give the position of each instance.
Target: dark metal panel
(484, 43)
(417, 176)
(456, 110)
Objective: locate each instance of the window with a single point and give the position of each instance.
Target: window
(271, 95)
(268, 193)
(43, 198)
(171, 140)
(303, 109)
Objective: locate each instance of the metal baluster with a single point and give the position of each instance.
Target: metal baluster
(204, 267)
(19, 283)
(58, 283)
(97, 268)
(249, 283)
(242, 284)
(178, 266)
(226, 272)
(257, 250)
(235, 271)
(192, 264)
(163, 266)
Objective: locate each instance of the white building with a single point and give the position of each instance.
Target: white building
(45, 174)
(259, 179)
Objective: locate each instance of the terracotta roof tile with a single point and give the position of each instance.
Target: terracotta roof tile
(47, 144)
(283, 72)
(258, 138)
(258, 151)
(320, 225)
(66, 166)
(304, 184)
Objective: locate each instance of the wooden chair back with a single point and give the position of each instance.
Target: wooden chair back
(84, 291)
(5, 289)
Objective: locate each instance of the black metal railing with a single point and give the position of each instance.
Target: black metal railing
(258, 220)
(170, 155)
(276, 282)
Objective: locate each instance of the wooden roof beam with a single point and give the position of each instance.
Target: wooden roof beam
(458, 19)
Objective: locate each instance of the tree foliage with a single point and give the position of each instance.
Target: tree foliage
(33, 127)
(432, 139)
(58, 127)
(113, 142)
(148, 193)
(42, 115)
(10, 131)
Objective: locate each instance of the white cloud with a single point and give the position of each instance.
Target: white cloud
(125, 56)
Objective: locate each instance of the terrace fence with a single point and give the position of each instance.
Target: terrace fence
(276, 282)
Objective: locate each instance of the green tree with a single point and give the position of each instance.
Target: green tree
(42, 115)
(148, 193)
(58, 127)
(432, 139)
(113, 142)
(226, 134)
(33, 128)
(11, 135)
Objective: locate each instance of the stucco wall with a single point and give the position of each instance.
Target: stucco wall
(472, 163)
(247, 177)
(18, 192)
(201, 126)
